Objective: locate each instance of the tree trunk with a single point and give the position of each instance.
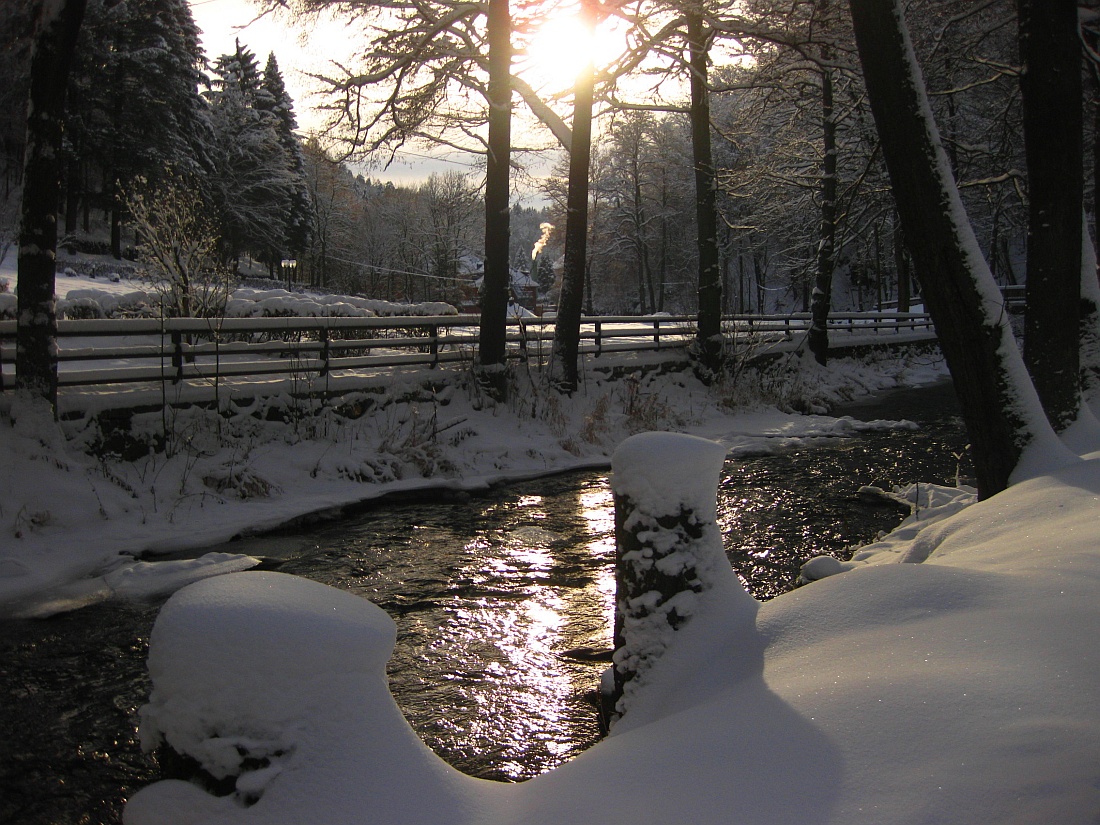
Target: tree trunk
(1052, 115)
(1000, 407)
(56, 30)
(494, 291)
(72, 195)
(567, 326)
(1089, 323)
(901, 264)
(760, 275)
(116, 227)
(821, 303)
(640, 225)
(741, 283)
(1094, 74)
(706, 212)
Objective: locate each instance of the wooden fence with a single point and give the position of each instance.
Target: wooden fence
(97, 353)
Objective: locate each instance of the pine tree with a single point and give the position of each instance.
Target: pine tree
(251, 180)
(298, 222)
(134, 107)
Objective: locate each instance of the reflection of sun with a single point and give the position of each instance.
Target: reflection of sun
(559, 49)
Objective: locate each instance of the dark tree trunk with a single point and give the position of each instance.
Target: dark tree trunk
(821, 303)
(1052, 113)
(588, 288)
(567, 327)
(494, 292)
(1096, 163)
(116, 229)
(901, 264)
(1001, 413)
(760, 275)
(1089, 322)
(56, 30)
(706, 211)
(741, 283)
(641, 249)
(72, 195)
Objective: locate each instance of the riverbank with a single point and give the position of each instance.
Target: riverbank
(77, 517)
(948, 674)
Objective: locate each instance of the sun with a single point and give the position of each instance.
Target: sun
(559, 49)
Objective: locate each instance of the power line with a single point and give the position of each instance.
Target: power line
(387, 271)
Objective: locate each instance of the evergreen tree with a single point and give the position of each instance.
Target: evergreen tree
(251, 179)
(134, 106)
(298, 223)
(544, 274)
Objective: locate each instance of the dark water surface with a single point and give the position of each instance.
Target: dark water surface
(503, 605)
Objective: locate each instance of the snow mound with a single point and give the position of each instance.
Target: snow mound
(241, 303)
(276, 687)
(666, 472)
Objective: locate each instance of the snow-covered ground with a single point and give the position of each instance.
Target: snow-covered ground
(74, 521)
(960, 687)
(948, 674)
(74, 516)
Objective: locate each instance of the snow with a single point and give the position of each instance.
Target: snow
(947, 674)
(958, 690)
(202, 478)
(665, 484)
(664, 473)
(115, 296)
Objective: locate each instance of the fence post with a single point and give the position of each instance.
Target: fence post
(599, 338)
(668, 550)
(657, 332)
(177, 355)
(324, 352)
(433, 347)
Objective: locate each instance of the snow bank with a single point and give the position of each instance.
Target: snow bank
(206, 477)
(101, 303)
(958, 690)
(666, 473)
(118, 302)
(276, 686)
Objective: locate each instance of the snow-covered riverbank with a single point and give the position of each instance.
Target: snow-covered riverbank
(74, 521)
(947, 675)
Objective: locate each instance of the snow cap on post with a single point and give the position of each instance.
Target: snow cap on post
(665, 472)
(668, 548)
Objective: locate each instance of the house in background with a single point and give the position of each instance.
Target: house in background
(523, 292)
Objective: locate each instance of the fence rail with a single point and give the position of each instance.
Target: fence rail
(175, 350)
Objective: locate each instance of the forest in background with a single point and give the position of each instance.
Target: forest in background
(147, 110)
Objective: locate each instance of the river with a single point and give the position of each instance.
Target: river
(502, 600)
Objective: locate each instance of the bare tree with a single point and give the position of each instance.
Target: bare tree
(1052, 104)
(1001, 409)
(439, 72)
(709, 336)
(179, 247)
(567, 326)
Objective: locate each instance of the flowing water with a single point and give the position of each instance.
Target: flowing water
(502, 600)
